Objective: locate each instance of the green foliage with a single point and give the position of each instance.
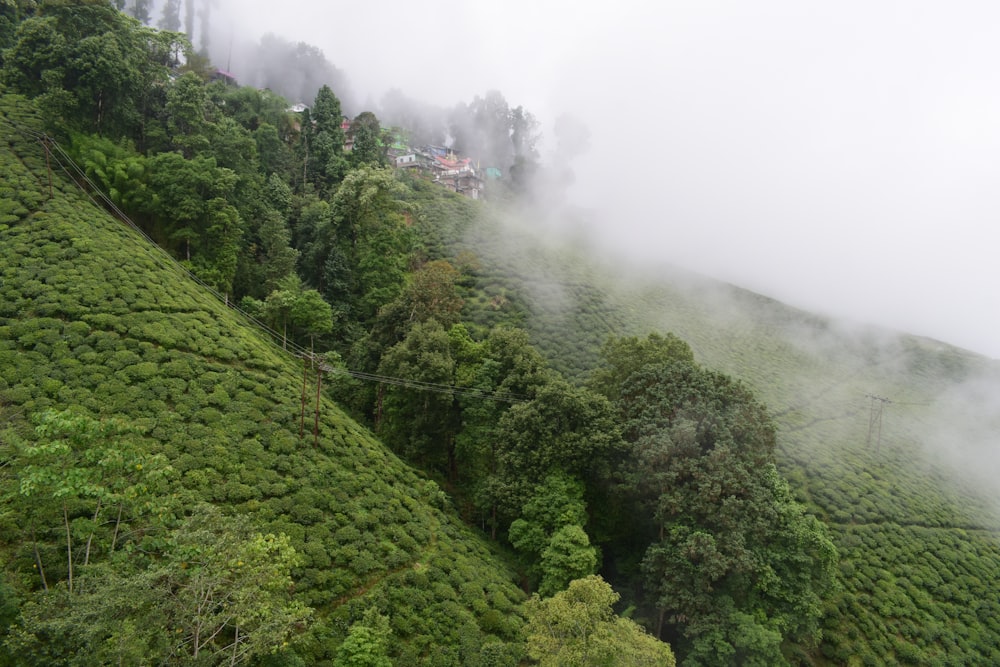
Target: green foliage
(277, 257)
(79, 468)
(187, 104)
(550, 533)
(367, 135)
(367, 643)
(625, 356)
(94, 318)
(227, 583)
(90, 66)
(323, 141)
(567, 556)
(578, 627)
(733, 555)
(431, 293)
(372, 238)
(421, 425)
(216, 594)
(563, 428)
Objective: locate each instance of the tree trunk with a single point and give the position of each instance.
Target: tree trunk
(38, 558)
(90, 538)
(236, 645)
(452, 461)
(69, 550)
(118, 523)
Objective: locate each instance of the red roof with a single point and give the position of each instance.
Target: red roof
(453, 164)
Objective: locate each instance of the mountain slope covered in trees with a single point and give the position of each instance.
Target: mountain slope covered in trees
(909, 494)
(178, 486)
(95, 317)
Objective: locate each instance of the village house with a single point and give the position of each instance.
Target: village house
(458, 175)
(407, 161)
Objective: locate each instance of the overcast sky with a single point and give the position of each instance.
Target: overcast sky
(840, 156)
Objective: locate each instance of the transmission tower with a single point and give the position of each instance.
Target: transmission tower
(875, 419)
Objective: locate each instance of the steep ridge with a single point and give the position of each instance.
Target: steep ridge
(93, 316)
(909, 492)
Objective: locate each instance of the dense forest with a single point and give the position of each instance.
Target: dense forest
(269, 400)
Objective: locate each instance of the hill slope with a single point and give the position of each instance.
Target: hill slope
(909, 492)
(93, 316)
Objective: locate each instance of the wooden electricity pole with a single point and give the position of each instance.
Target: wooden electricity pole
(319, 386)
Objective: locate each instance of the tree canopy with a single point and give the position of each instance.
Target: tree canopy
(734, 565)
(577, 627)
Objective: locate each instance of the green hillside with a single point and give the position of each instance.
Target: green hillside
(914, 517)
(181, 485)
(94, 316)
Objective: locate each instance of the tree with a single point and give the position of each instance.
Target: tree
(373, 241)
(524, 134)
(550, 534)
(187, 102)
(205, 14)
(91, 66)
(213, 591)
(233, 147)
(182, 190)
(367, 643)
(171, 18)
(723, 522)
(275, 156)
(482, 129)
(228, 588)
(577, 628)
(431, 293)
(189, 19)
(312, 315)
(524, 137)
(367, 134)
(139, 9)
(621, 357)
(79, 469)
(564, 428)
(218, 260)
(418, 423)
(277, 257)
(505, 364)
(323, 141)
(295, 70)
(279, 303)
(117, 169)
(12, 12)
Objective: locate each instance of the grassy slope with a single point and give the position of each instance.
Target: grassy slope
(91, 315)
(919, 545)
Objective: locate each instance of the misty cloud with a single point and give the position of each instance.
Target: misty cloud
(841, 157)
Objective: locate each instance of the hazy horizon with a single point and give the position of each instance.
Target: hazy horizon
(839, 158)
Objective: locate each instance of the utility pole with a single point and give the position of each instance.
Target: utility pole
(48, 163)
(875, 419)
(302, 415)
(319, 385)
